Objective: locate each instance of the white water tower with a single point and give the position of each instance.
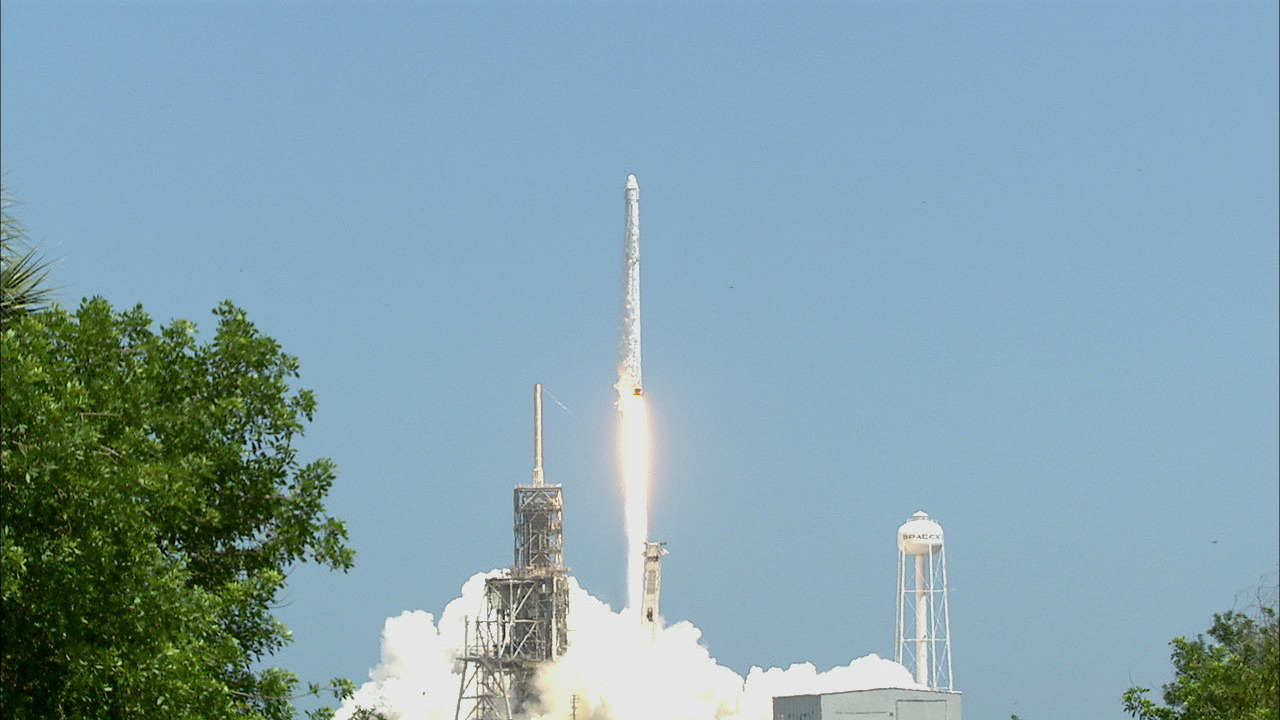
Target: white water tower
(924, 619)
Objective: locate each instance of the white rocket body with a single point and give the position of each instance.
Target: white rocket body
(630, 378)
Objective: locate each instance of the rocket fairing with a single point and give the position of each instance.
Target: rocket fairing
(630, 379)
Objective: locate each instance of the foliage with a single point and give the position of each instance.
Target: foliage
(152, 503)
(23, 273)
(1234, 674)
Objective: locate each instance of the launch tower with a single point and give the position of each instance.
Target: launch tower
(525, 622)
(649, 617)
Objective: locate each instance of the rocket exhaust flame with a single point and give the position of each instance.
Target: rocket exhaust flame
(635, 478)
(634, 441)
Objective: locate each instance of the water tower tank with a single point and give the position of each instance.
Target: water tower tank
(920, 535)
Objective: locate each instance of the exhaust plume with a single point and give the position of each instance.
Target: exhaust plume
(614, 670)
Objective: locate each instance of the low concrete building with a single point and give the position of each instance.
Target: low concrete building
(881, 704)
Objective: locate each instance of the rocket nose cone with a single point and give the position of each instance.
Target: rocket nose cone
(631, 183)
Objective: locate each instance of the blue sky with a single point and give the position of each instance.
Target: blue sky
(1014, 264)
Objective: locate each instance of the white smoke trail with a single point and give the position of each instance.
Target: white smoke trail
(612, 671)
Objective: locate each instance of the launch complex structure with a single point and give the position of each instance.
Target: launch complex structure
(523, 624)
(525, 621)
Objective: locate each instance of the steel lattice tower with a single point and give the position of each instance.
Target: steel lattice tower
(526, 609)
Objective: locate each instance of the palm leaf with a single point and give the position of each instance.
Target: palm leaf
(24, 274)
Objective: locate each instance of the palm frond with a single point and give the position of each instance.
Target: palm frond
(24, 274)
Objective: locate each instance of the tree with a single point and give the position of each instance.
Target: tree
(1234, 674)
(23, 273)
(152, 503)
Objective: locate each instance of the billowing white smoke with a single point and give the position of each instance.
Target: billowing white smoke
(613, 670)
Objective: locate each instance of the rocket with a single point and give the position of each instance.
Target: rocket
(632, 407)
(630, 380)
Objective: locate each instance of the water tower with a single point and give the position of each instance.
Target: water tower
(924, 619)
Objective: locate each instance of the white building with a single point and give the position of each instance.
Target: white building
(881, 704)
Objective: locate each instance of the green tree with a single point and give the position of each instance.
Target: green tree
(1234, 674)
(23, 273)
(152, 503)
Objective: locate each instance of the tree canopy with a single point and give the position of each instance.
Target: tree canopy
(153, 501)
(1233, 674)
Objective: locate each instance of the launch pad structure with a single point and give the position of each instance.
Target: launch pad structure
(649, 617)
(525, 619)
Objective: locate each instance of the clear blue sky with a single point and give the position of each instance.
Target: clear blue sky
(1014, 264)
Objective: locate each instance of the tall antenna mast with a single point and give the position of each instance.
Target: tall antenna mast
(538, 477)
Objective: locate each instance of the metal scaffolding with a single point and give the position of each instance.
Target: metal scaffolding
(526, 609)
(483, 694)
(539, 528)
(649, 617)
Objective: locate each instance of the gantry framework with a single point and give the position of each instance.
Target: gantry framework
(525, 620)
(649, 617)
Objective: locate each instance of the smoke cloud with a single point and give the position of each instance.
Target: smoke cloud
(612, 671)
